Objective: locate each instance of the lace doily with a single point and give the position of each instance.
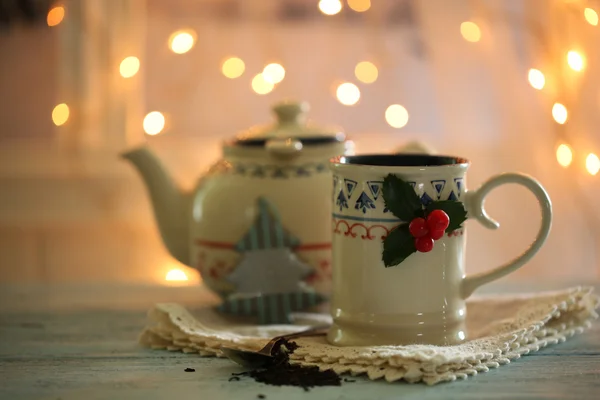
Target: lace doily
(501, 328)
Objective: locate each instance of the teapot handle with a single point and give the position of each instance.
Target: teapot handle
(284, 147)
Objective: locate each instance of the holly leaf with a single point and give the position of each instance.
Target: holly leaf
(397, 246)
(400, 198)
(455, 210)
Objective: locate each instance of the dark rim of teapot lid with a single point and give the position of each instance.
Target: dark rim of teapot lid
(291, 124)
(306, 141)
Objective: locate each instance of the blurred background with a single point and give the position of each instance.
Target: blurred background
(513, 85)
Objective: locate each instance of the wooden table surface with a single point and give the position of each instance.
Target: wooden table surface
(81, 343)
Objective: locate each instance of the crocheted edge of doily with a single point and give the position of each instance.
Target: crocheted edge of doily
(411, 372)
(399, 368)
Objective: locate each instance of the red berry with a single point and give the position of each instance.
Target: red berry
(418, 227)
(424, 244)
(437, 234)
(438, 220)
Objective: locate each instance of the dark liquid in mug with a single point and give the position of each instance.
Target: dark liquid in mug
(402, 160)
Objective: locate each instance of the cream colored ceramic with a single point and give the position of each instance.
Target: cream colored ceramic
(286, 163)
(421, 300)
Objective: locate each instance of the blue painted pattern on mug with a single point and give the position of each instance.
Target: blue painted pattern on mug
(371, 193)
(364, 203)
(341, 201)
(459, 185)
(376, 187)
(350, 186)
(438, 186)
(426, 199)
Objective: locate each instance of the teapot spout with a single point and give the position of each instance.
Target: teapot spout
(171, 205)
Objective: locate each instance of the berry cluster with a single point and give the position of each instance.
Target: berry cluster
(426, 230)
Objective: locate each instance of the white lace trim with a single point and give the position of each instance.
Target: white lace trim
(502, 328)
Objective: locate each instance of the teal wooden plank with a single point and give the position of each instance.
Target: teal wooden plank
(93, 354)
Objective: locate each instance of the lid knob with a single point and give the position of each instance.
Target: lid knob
(291, 112)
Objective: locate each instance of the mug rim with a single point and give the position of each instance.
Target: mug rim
(386, 162)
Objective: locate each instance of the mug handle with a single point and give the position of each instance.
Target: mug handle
(474, 203)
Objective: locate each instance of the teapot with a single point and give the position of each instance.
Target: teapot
(283, 166)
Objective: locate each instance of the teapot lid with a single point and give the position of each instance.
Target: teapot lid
(291, 124)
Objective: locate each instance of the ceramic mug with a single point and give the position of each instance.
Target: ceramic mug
(421, 300)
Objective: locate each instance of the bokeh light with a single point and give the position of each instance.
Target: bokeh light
(260, 85)
(575, 60)
(470, 31)
(274, 73)
(182, 41)
(129, 67)
(176, 274)
(330, 7)
(536, 78)
(591, 16)
(55, 15)
(559, 113)
(233, 67)
(359, 5)
(154, 123)
(348, 94)
(60, 114)
(592, 164)
(564, 155)
(396, 115)
(366, 72)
